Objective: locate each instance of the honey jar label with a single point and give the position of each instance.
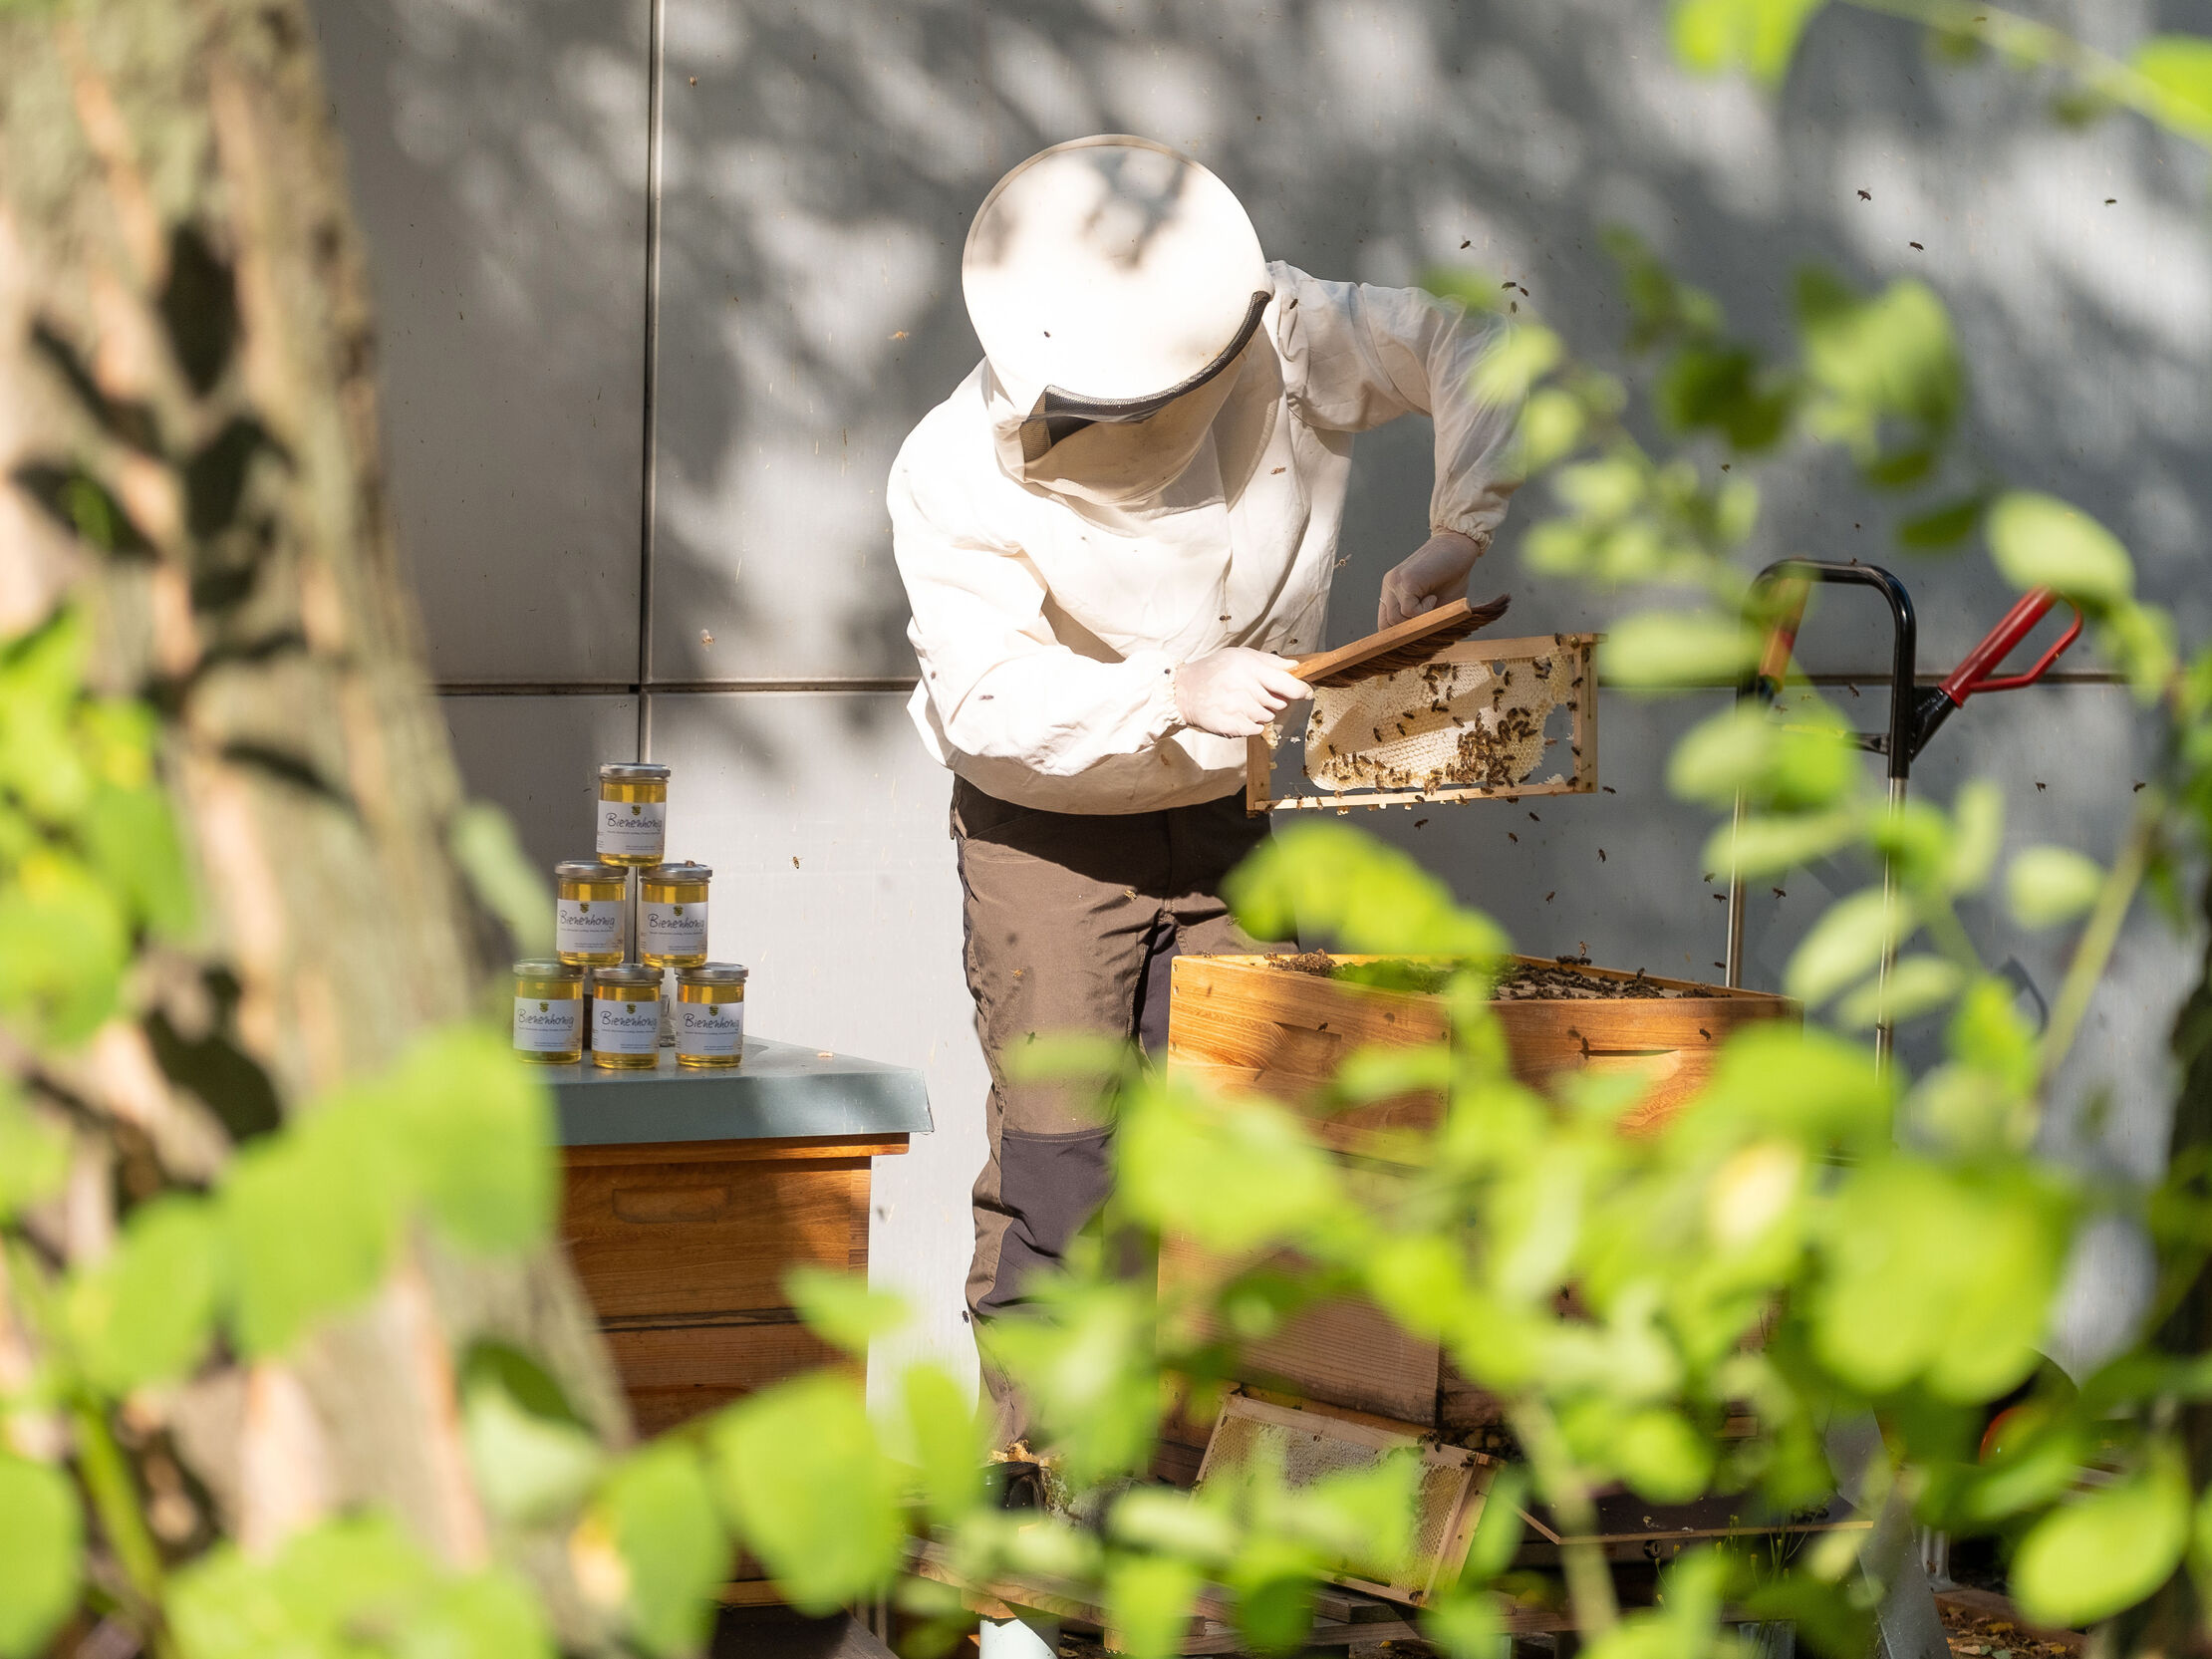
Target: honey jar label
(548, 1027)
(592, 925)
(633, 828)
(675, 931)
(625, 1027)
(712, 1029)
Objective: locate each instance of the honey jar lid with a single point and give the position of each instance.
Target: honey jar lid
(547, 968)
(712, 974)
(626, 974)
(690, 874)
(589, 870)
(633, 772)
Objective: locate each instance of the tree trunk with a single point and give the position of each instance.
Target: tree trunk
(188, 461)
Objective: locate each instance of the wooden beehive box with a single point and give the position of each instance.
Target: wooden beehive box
(1247, 1026)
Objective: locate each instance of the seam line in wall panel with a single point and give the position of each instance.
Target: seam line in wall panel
(1872, 680)
(649, 438)
(628, 688)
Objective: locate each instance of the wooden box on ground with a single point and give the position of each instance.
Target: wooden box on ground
(687, 1197)
(1244, 1025)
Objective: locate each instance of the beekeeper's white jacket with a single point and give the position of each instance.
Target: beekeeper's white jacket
(1049, 626)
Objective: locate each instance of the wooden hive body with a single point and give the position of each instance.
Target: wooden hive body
(1244, 1025)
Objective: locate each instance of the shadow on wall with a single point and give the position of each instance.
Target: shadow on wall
(822, 164)
(497, 152)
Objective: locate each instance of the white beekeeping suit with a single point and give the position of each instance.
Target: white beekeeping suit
(1110, 533)
(1055, 593)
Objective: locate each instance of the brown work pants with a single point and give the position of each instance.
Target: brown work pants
(1072, 921)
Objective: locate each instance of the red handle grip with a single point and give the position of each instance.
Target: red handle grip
(1976, 672)
(1791, 596)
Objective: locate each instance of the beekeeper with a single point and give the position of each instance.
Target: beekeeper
(1114, 533)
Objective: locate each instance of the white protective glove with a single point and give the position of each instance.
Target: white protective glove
(1435, 575)
(1235, 692)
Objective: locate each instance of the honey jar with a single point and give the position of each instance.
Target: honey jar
(626, 1018)
(711, 1014)
(672, 904)
(549, 1013)
(588, 912)
(633, 813)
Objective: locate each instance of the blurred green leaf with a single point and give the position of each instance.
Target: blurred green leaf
(2040, 541)
(1230, 1178)
(1498, 1532)
(2036, 1467)
(1175, 1524)
(1083, 1353)
(1770, 844)
(131, 836)
(1876, 363)
(1552, 426)
(1605, 489)
(2108, 1549)
(64, 944)
(42, 1541)
(1990, 1033)
(146, 1313)
(1918, 985)
(1273, 1579)
(808, 1489)
(351, 1588)
(474, 1129)
(1720, 388)
(1812, 763)
(1678, 650)
(661, 1515)
(502, 876)
(530, 1468)
(1837, 1092)
(43, 764)
(1330, 880)
(945, 1437)
(1660, 306)
(2049, 885)
(1941, 1276)
(310, 1221)
(1977, 831)
(1944, 526)
(1660, 1455)
(1519, 355)
(2180, 68)
(841, 1309)
(1464, 1625)
(1150, 1598)
(1757, 35)
(1847, 942)
(34, 1154)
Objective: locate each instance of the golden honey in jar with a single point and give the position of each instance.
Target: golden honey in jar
(549, 1013)
(711, 1014)
(587, 912)
(625, 1016)
(671, 915)
(633, 813)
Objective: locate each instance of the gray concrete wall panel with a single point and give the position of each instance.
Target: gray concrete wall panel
(498, 161)
(820, 165)
(827, 830)
(538, 759)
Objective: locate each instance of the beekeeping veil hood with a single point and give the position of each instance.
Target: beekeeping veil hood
(1115, 286)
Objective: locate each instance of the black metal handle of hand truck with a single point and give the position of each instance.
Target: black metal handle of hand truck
(1781, 591)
